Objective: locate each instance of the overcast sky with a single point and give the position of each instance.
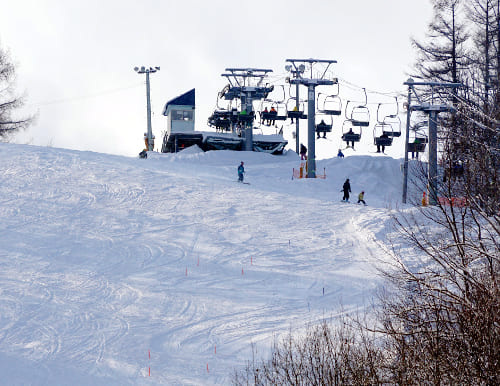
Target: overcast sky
(75, 59)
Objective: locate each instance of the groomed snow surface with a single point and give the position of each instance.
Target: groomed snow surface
(118, 270)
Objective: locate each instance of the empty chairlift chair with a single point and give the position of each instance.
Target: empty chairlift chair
(393, 121)
(360, 116)
(331, 105)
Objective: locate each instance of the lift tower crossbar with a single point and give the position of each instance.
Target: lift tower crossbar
(240, 86)
(311, 84)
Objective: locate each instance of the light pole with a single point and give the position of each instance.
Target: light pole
(147, 71)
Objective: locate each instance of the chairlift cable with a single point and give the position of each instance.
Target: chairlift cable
(88, 96)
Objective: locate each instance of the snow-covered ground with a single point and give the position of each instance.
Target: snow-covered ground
(118, 270)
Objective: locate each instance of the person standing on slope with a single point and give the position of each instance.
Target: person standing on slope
(241, 171)
(361, 198)
(303, 152)
(347, 189)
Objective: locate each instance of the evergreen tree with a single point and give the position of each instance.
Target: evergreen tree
(485, 69)
(443, 55)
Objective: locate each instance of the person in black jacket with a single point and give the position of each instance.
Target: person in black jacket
(347, 189)
(303, 152)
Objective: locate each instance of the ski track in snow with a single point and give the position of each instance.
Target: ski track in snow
(105, 258)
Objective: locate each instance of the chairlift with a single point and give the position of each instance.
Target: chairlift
(381, 136)
(291, 112)
(359, 115)
(323, 126)
(278, 94)
(277, 112)
(393, 120)
(395, 125)
(244, 117)
(351, 133)
(418, 139)
(331, 105)
(221, 120)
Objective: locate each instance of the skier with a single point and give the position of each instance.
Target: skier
(241, 171)
(361, 198)
(303, 152)
(346, 188)
(340, 154)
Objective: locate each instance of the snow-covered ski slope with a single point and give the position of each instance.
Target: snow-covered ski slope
(118, 270)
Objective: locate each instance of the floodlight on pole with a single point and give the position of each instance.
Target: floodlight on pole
(147, 71)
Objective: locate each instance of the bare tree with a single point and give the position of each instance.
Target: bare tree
(442, 317)
(9, 102)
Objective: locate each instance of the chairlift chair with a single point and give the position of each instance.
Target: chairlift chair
(332, 105)
(279, 115)
(381, 135)
(281, 112)
(418, 139)
(351, 133)
(295, 114)
(395, 125)
(360, 116)
(220, 119)
(393, 120)
(322, 126)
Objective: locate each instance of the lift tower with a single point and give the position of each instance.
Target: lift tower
(246, 84)
(147, 71)
(311, 84)
(432, 110)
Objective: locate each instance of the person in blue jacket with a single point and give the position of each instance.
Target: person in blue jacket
(241, 171)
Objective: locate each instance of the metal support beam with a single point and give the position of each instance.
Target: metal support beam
(248, 125)
(297, 120)
(433, 174)
(148, 111)
(311, 132)
(405, 166)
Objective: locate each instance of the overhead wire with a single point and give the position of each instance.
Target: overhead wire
(88, 96)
